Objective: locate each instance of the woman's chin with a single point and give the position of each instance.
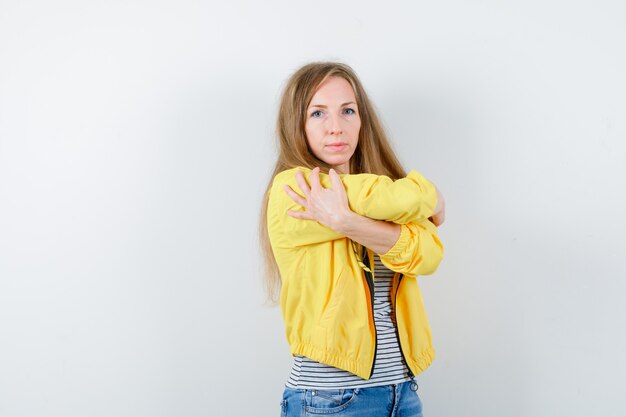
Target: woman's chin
(337, 159)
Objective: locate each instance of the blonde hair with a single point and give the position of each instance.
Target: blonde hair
(373, 153)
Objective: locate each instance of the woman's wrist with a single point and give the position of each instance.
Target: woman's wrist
(346, 222)
(378, 235)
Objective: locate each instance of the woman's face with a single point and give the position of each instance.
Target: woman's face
(333, 123)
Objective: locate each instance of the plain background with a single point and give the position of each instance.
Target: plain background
(136, 141)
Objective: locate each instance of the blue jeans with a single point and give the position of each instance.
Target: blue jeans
(395, 400)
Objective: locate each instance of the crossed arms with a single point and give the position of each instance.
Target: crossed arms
(390, 217)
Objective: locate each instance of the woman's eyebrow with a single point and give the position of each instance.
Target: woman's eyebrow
(324, 107)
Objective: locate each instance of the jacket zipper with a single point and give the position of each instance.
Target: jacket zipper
(370, 284)
(395, 303)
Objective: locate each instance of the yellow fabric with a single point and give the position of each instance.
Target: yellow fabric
(325, 298)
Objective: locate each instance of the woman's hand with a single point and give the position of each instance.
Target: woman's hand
(439, 216)
(328, 206)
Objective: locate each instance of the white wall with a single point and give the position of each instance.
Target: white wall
(136, 139)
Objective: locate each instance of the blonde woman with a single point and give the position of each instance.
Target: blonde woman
(345, 232)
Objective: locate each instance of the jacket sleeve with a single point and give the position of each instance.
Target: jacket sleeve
(378, 197)
(418, 250)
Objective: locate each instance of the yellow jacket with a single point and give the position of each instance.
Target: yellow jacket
(326, 299)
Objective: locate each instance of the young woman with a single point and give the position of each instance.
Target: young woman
(345, 232)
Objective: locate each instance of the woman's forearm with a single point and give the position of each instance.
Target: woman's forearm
(377, 235)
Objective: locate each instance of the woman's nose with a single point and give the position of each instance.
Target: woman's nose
(334, 125)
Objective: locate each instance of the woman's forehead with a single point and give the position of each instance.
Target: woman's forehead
(334, 90)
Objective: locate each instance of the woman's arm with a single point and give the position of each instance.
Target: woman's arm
(418, 250)
(377, 197)
(378, 235)
(345, 203)
(411, 248)
(330, 207)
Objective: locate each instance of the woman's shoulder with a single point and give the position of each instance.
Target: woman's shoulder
(288, 175)
(290, 172)
(353, 181)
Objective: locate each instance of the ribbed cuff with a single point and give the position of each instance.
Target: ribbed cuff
(399, 246)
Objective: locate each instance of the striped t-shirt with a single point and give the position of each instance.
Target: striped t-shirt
(389, 366)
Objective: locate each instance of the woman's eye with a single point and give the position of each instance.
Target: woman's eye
(349, 111)
(316, 113)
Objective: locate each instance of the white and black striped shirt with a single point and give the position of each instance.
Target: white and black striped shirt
(389, 366)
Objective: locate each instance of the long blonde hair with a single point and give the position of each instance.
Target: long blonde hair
(373, 153)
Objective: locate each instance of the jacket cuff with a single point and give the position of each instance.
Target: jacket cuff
(400, 245)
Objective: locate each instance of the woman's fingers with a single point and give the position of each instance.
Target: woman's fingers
(295, 196)
(338, 186)
(300, 214)
(334, 179)
(302, 184)
(315, 179)
(299, 200)
(320, 204)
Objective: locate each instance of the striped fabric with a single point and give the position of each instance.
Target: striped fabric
(389, 367)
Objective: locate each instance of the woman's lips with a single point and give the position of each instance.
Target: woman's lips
(340, 147)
